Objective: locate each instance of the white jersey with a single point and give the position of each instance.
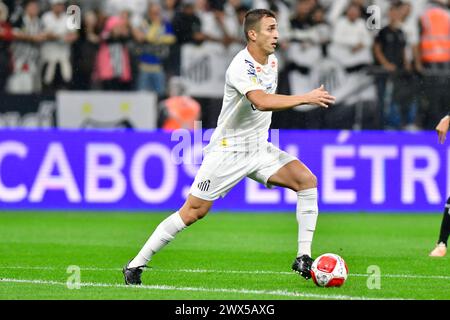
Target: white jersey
(242, 127)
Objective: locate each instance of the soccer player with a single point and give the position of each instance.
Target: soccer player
(441, 248)
(239, 147)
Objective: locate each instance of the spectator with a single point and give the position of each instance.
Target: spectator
(234, 14)
(390, 54)
(338, 7)
(10, 6)
(6, 37)
(410, 27)
(113, 67)
(187, 25)
(156, 36)
(136, 9)
(321, 28)
(85, 51)
(188, 29)
(180, 111)
(303, 53)
(301, 20)
(56, 51)
(326, 4)
(169, 8)
(351, 40)
(15, 9)
(28, 34)
(219, 30)
(435, 58)
(217, 26)
(304, 49)
(362, 4)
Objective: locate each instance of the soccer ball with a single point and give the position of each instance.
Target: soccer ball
(329, 270)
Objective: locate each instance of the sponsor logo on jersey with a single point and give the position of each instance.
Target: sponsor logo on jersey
(204, 185)
(251, 72)
(250, 64)
(224, 142)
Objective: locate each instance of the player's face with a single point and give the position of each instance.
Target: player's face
(267, 37)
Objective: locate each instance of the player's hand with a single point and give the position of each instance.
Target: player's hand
(442, 128)
(321, 97)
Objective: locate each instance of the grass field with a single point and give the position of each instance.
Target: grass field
(224, 256)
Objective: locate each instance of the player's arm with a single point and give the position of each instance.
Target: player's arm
(442, 128)
(278, 102)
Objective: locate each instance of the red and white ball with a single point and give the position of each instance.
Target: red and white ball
(329, 270)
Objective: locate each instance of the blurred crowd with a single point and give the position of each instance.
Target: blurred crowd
(135, 45)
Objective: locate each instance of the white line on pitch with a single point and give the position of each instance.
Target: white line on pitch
(407, 276)
(281, 293)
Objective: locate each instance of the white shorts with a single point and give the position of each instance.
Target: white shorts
(222, 170)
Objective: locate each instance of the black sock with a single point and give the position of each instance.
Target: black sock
(445, 226)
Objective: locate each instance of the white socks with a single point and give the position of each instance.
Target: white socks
(307, 212)
(163, 234)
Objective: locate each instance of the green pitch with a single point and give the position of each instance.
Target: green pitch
(224, 256)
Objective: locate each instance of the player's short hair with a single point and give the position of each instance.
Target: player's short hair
(253, 17)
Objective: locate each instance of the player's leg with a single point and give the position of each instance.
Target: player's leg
(441, 248)
(193, 209)
(218, 173)
(277, 167)
(297, 177)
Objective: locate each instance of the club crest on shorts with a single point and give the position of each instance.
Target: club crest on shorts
(204, 185)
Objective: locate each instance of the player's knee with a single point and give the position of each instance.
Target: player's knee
(194, 215)
(194, 212)
(313, 181)
(201, 213)
(306, 182)
(200, 210)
